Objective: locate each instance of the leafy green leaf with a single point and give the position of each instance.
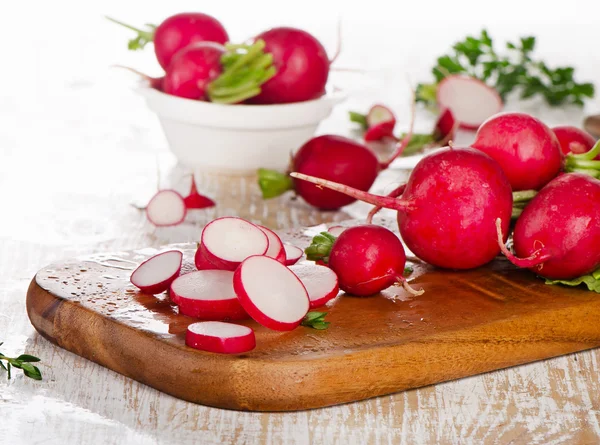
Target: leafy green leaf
(592, 281)
(315, 320)
(32, 372)
(359, 118)
(320, 247)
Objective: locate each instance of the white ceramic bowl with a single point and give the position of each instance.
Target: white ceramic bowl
(236, 138)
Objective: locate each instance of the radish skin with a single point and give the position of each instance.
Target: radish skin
(574, 140)
(270, 293)
(156, 274)
(447, 212)
(208, 295)
(216, 336)
(166, 208)
(195, 200)
(320, 282)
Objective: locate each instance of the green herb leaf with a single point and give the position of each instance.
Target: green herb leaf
(27, 358)
(592, 281)
(320, 247)
(315, 320)
(408, 270)
(515, 70)
(23, 362)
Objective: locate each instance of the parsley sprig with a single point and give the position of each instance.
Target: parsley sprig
(513, 70)
(22, 362)
(315, 320)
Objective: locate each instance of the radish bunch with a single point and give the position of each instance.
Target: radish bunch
(242, 273)
(280, 65)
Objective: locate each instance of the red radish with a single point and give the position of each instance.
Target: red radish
(379, 114)
(192, 69)
(320, 282)
(207, 294)
(216, 336)
(574, 140)
(336, 230)
(195, 200)
(156, 274)
(445, 127)
(558, 234)
(366, 259)
(380, 131)
(447, 211)
(301, 63)
(524, 146)
(470, 100)
(292, 254)
(227, 241)
(270, 293)
(276, 249)
(177, 32)
(166, 208)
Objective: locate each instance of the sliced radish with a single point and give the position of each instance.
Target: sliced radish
(292, 254)
(203, 263)
(155, 274)
(336, 230)
(276, 249)
(195, 200)
(207, 294)
(320, 282)
(380, 131)
(379, 114)
(470, 100)
(445, 127)
(228, 241)
(271, 293)
(216, 336)
(166, 208)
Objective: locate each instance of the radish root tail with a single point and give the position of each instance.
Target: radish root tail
(393, 194)
(407, 287)
(537, 258)
(338, 48)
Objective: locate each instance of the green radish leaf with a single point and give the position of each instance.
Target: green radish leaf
(408, 270)
(592, 281)
(315, 320)
(360, 119)
(320, 247)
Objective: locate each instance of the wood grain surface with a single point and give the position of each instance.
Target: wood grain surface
(466, 323)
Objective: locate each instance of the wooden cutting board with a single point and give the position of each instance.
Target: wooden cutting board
(466, 323)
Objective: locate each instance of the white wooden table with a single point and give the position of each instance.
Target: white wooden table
(77, 147)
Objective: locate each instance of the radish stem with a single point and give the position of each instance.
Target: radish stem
(393, 194)
(535, 259)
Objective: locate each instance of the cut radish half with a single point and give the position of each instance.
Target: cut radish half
(216, 336)
(336, 230)
(166, 208)
(445, 127)
(320, 282)
(276, 249)
(195, 200)
(228, 241)
(470, 100)
(155, 274)
(271, 293)
(379, 114)
(207, 294)
(380, 131)
(292, 254)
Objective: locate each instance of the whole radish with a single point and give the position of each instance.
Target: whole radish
(524, 146)
(177, 32)
(574, 140)
(366, 259)
(301, 63)
(558, 234)
(335, 158)
(192, 69)
(448, 209)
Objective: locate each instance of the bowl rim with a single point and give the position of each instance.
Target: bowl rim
(333, 97)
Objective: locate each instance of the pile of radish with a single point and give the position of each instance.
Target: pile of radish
(242, 273)
(280, 65)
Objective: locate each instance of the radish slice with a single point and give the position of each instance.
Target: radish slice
(380, 131)
(228, 241)
(155, 274)
(470, 100)
(276, 249)
(195, 200)
(292, 254)
(445, 127)
(216, 336)
(336, 230)
(207, 294)
(271, 293)
(379, 114)
(166, 208)
(320, 282)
